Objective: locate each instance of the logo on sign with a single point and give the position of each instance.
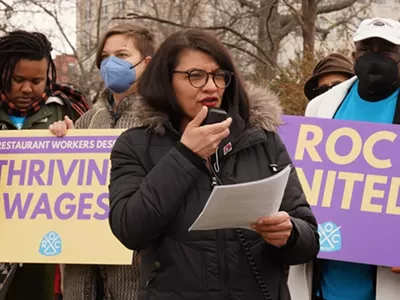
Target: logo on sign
(330, 237)
(50, 244)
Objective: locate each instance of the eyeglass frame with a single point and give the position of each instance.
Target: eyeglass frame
(207, 78)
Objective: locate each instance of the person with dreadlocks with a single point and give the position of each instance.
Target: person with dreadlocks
(30, 98)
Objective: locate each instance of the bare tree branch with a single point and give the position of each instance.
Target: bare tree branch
(60, 27)
(322, 9)
(98, 20)
(192, 11)
(337, 5)
(57, 21)
(295, 13)
(6, 5)
(342, 22)
(171, 10)
(155, 8)
(288, 27)
(271, 11)
(255, 28)
(225, 28)
(248, 4)
(235, 46)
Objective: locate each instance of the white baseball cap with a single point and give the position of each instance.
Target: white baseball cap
(386, 29)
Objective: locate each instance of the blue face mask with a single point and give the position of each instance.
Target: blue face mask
(118, 74)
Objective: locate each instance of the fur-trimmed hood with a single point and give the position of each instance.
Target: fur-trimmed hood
(265, 110)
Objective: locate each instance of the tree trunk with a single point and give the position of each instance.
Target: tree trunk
(264, 71)
(268, 40)
(309, 18)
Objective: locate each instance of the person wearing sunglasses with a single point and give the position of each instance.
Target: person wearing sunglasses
(329, 72)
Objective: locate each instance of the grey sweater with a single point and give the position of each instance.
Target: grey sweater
(102, 116)
(120, 282)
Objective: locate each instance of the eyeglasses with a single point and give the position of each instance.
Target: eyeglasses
(199, 78)
(324, 88)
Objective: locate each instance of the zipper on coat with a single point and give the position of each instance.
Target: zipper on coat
(222, 263)
(215, 169)
(115, 117)
(214, 180)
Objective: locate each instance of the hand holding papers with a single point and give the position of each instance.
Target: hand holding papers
(276, 229)
(240, 205)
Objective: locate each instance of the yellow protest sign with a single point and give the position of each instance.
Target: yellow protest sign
(54, 198)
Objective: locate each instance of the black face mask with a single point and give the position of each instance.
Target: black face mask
(378, 76)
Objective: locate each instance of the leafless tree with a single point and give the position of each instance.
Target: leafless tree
(6, 12)
(256, 28)
(20, 12)
(253, 29)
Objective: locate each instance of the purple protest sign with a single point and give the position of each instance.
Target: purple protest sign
(350, 172)
(50, 144)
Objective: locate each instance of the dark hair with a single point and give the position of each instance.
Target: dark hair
(155, 84)
(143, 40)
(21, 44)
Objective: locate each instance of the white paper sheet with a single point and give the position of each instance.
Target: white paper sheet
(240, 205)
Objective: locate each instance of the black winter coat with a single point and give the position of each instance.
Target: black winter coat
(158, 188)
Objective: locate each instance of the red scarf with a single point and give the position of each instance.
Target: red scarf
(74, 101)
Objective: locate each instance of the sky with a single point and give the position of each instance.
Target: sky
(28, 16)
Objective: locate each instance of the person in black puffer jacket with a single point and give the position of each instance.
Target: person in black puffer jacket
(164, 169)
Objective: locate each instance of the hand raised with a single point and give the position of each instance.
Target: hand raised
(204, 140)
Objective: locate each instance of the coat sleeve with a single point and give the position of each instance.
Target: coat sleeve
(142, 203)
(303, 244)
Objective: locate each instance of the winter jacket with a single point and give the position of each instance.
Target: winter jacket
(102, 115)
(158, 188)
(81, 282)
(37, 279)
(53, 111)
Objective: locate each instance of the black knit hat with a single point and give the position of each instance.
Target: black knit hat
(333, 63)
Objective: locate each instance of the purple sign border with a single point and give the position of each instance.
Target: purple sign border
(73, 144)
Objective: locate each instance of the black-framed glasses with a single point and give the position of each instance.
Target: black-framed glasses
(199, 78)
